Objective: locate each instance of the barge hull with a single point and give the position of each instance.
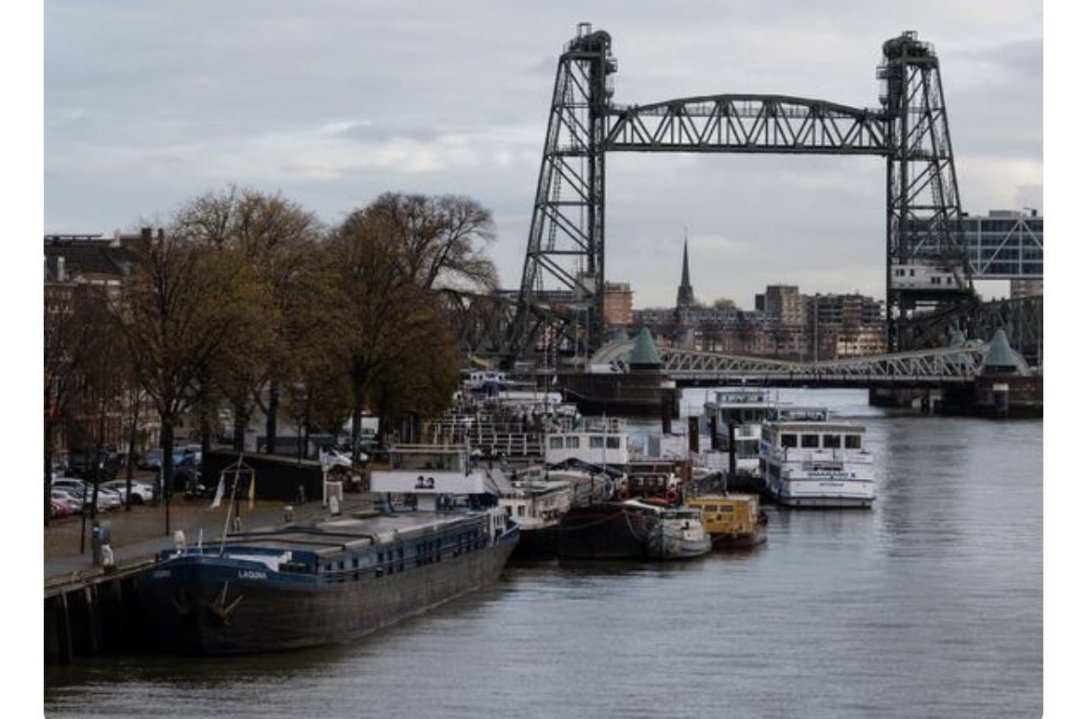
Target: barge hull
(196, 612)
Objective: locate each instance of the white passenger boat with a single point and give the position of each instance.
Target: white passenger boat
(746, 409)
(810, 460)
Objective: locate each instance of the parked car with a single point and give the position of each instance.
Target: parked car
(58, 509)
(141, 491)
(152, 459)
(69, 503)
(77, 487)
(92, 463)
(191, 450)
(188, 455)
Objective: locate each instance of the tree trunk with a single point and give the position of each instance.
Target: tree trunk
(306, 417)
(241, 419)
(130, 455)
(270, 418)
(48, 470)
(357, 381)
(167, 445)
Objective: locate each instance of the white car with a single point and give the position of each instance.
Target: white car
(77, 487)
(141, 491)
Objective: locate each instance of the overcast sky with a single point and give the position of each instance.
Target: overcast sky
(149, 103)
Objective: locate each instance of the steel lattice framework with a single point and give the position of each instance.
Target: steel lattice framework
(933, 367)
(923, 201)
(747, 123)
(566, 236)
(566, 244)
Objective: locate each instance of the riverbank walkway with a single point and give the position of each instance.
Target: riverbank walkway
(136, 536)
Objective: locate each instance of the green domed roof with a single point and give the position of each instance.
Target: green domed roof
(644, 352)
(1001, 356)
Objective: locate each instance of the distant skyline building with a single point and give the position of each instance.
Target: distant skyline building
(784, 304)
(1019, 289)
(618, 300)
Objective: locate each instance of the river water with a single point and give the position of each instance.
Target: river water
(928, 605)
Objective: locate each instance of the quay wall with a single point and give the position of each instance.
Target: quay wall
(92, 614)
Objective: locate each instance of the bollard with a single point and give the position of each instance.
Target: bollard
(288, 514)
(334, 505)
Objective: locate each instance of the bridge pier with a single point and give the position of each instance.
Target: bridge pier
(952, 399)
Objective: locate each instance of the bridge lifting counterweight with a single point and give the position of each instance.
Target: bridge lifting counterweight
(563, 277)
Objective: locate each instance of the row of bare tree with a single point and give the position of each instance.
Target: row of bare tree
(246, 300)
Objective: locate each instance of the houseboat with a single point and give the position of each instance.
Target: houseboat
(810, 460)
(631, 529)
(733, 521)
(536, 503)
(334, 580)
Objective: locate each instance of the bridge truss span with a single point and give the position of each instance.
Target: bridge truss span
(747, 123)
(931, 367)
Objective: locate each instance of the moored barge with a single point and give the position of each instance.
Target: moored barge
(332, 581)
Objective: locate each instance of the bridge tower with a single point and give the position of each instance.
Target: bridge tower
(927, 265)
(566, 236)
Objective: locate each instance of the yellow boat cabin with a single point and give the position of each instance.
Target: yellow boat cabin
(731, 520)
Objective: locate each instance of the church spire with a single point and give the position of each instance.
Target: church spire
(685, 297)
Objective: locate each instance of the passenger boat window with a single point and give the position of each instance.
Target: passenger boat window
(613, 442)
(853, 441)
(832, 441)
(789, 440)
(596, 442)
(521, 510)
(555, 442)
(573, 442)
(810, 440)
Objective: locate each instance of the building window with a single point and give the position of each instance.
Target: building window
(810, 440)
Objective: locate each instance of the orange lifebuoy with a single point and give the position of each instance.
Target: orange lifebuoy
(672, 496)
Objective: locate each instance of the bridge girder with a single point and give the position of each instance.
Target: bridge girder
(920, 367)
(747, 123)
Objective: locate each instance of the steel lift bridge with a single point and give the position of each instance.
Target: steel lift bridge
(561, 299)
